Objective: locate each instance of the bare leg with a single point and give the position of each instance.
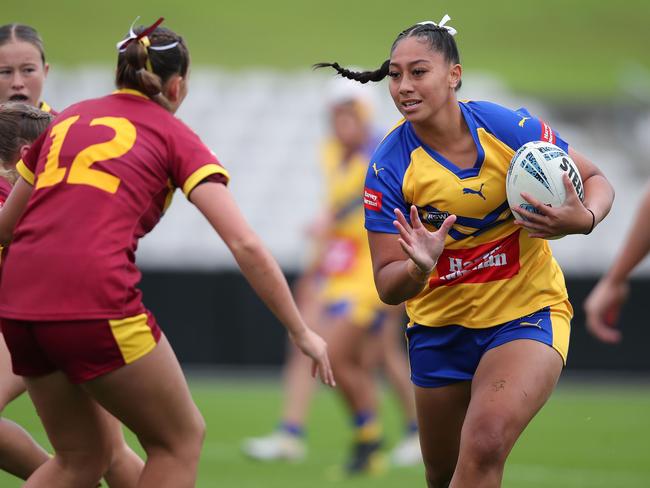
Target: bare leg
(151, 397)
(126, 466)
(20, 455)
(441, 412)
(77, 429)
(511, 384)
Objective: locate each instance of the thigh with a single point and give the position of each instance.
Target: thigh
(441, 412)
(150, 396)
(74, 423)
(11, 385)
(511, 384)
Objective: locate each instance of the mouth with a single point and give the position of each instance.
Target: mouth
(409, 105)
(18, 98)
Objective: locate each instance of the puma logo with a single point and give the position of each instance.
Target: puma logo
(478, 192)
(523, 121)
(536, 324)
(376, 170)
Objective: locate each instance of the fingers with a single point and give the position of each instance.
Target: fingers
(571, 193)
(415, 218)
(539, 206)
(402, 220)
(446, 225)
(408, 250)
(406, 237)
(603, 332)
(325, 370)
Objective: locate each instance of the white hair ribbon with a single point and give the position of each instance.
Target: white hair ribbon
(121, 46)
(441, 24)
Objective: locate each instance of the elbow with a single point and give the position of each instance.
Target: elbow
(387, 297)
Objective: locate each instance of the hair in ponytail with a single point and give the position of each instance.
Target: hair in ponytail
(147, 63)
(439, 39)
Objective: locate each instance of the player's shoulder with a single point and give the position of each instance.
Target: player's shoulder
(513, 127)
(395, 148)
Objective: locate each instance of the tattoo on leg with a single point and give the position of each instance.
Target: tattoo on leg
(499, 385)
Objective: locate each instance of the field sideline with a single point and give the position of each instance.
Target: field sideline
(577, 50)
(586, 437)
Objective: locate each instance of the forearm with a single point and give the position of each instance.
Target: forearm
(599, 196)
(399, 281)
(265, 276)
(637, 243)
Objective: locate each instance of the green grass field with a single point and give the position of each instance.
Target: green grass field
(575, 50)
(585, 437)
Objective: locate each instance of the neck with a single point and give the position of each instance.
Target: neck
(444, 128)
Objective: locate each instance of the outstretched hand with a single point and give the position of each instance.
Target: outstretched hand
(423, 247)
(602, 308)
(572, 217)
(313, 345)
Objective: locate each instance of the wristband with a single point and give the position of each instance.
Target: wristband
(593, 222)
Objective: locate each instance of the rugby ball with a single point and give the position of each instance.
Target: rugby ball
(537, 169)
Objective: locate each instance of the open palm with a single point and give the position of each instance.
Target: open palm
(422, 246)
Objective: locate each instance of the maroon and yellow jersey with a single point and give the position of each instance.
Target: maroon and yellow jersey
(103, 174)
(46, 108)
(5, 190)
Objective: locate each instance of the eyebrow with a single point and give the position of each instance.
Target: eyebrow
(417, 61)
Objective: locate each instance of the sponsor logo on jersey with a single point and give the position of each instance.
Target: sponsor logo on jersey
(523, 121)
(547, 133)
(471, 191)
(432, 216)
(497, 260)
(372, 199)
(376, 170)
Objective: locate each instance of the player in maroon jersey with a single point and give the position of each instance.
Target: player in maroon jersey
(90, 187)
(23, 68)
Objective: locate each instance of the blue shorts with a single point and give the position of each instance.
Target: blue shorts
(371, 318)
(440, 356)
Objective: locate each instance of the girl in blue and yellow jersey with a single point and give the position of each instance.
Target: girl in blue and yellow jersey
(489, 315)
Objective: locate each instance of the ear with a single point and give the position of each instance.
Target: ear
(173, 89)
(455, 75)
(23, 150)
(46, 69)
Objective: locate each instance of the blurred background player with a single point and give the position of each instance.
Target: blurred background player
(487, 338)
(89, 337)
(604, 303)
(338, 294)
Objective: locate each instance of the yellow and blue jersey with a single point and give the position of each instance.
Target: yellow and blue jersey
(345, 263)
(490, 271)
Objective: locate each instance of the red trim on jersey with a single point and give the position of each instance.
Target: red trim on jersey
(497, 260)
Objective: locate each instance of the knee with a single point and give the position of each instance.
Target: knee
(89, 465)
(487, 443)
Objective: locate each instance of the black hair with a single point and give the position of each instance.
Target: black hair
(438, 38)
(147, 69)
(22, 32)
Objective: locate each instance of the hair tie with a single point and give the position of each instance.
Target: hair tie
(441, 24)
(124, 43)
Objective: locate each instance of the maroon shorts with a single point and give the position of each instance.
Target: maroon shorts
(82, 349)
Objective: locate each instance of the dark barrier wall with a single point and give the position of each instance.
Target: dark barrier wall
(215, 318)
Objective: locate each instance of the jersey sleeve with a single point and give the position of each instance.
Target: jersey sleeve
(26, 167)
(514, 127)
(191, 160)
(382, 194)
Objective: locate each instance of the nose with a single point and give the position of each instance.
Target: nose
(17, 81)
(405, 85)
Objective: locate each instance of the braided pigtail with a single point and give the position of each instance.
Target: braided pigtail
(360, 76)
